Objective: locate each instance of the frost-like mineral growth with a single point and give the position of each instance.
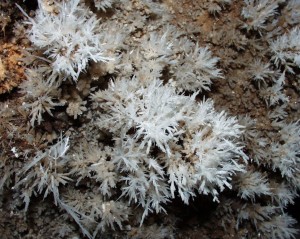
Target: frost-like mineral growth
(41, 93)
(257, 12)
(196, 69)
(69, 35)
(163, 108)
(199, 145)
(286, 50)
(103, 4)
